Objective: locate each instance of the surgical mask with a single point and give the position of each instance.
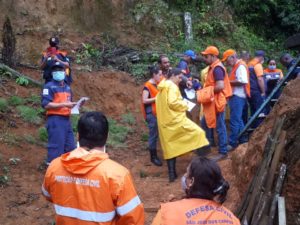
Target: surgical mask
(272, 67)
(183, 183)
(58, 75)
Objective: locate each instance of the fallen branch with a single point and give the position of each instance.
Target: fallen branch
(16, 74)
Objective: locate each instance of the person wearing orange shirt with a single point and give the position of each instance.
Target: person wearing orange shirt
(272, 76)
(239, 81)
(149, 111)
(206, 191)
(257, 84)
(217, 79)
(86, 187)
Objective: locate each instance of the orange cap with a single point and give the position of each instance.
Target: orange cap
(211, 50)
(228, 53)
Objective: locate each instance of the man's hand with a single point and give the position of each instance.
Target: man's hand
(69, 104)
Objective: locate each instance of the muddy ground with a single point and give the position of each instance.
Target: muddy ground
(114, 93)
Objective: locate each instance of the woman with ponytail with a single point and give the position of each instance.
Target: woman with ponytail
(206, 190)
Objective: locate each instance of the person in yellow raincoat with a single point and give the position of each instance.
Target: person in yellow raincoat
(178, 134)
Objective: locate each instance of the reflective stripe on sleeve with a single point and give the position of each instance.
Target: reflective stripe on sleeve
(84, 215)
(46, 193)
(126, 208)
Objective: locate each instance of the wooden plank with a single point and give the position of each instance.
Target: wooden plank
(275, 161)
(278, 187)
(261, 179)
(281, 211)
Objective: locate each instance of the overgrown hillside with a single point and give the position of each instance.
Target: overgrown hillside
(149, 25)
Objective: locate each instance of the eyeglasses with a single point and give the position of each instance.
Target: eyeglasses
(272, 64)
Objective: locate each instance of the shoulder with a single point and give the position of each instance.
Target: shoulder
(54, 167)
(113, 169)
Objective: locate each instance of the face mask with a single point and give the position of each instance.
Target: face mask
(272, 67)
(183, 183)
(58, 75)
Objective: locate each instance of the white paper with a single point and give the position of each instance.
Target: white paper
(190, 104)
(190, 93)
(75, 109)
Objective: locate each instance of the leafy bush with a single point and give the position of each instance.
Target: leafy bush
(29, 114)
(15, 101)
(43, 134)
(128, 118)
(33, 99)
(22, 81)
(117, 134)
(29, 138)
(139, 70)
(3, 105)
(144, 137)
(10, 138)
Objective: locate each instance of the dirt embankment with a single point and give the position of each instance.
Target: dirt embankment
(34, 22)
(247, 157)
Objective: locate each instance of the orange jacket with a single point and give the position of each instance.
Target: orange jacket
(216, 103)
(273, 73)
(233, 75)
(153, 92)
(86, 187)
(210, 80)
(194, 211)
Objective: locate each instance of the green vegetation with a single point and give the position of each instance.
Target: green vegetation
(30, 139)
(15, 101)
(117, 134)
(10, 138)
(128, 118)
(4, 177)
(29, 114)
(22, 81)
(143, 174)
(43, 134)
(88, 54)
(33, 99)
(74, 122)
(145, 137)
(3, 105)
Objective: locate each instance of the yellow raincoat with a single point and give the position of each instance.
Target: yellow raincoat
(178, 134)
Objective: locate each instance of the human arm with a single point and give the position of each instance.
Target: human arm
(145, 97)
(55, 105)
(48, 100)
(241, 76)
(129, 208)
(259, 71)
(219, 74)
(44, 61)
(174, 102)
(46, 185)
(65, 62)
(157, 218)
(219, 86)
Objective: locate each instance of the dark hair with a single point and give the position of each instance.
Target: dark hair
(92, 130)
(271, 60)
(173, 72)
(53, 42)
(208, 180)
(160, 57)
(153, 70)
